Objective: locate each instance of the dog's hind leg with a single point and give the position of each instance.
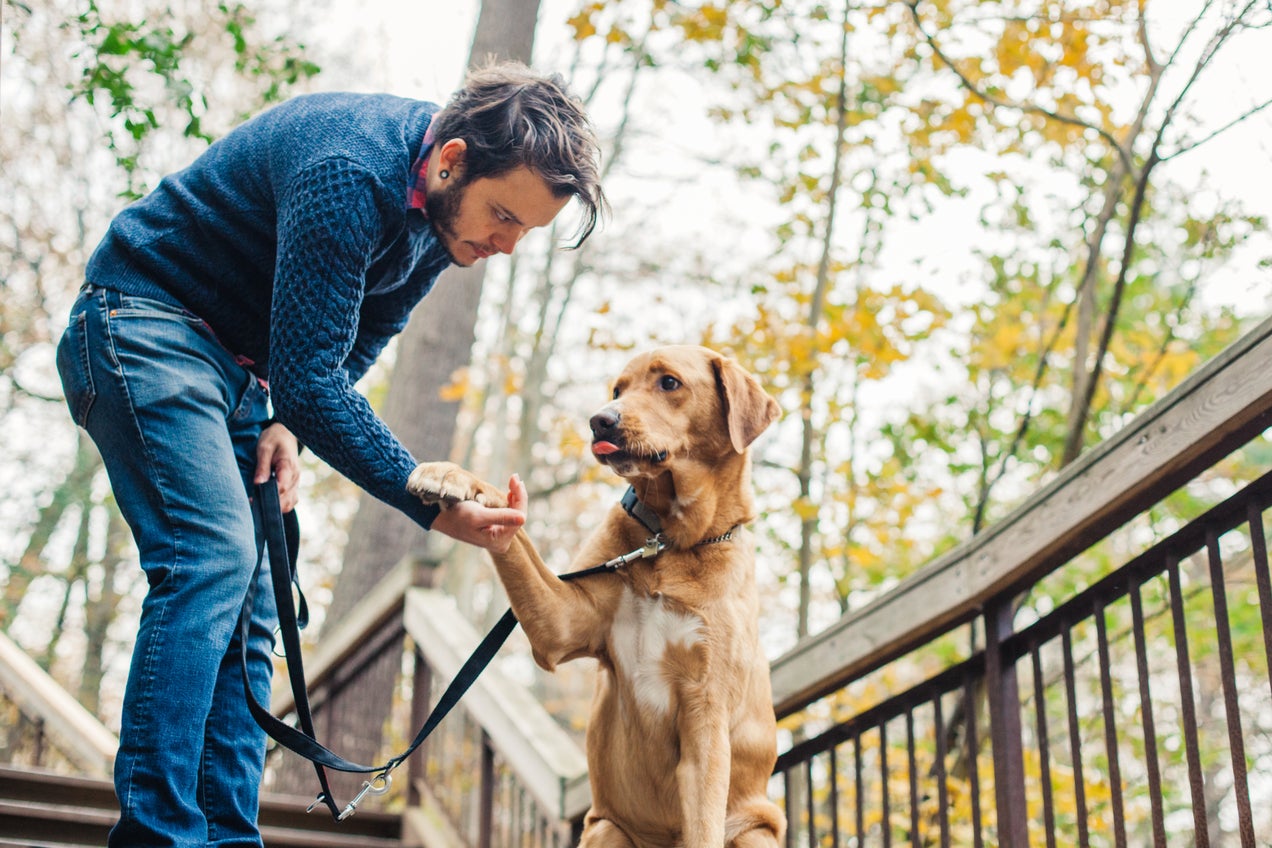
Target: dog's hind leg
(602, 833)
(760, 837)
(756, 824)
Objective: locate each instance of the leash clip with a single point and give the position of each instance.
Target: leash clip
(653, 545)
(321, 799)
(377, 785)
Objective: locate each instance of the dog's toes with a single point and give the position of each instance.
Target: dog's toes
(437, 482)
(448, 484)
(489, 496)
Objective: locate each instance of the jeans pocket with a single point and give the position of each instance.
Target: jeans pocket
(73, 368)
(133, 305)
(252, 401)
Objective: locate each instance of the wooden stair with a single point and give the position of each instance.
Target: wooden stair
(40, 809)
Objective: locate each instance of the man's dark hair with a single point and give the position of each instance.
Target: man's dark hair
(509, 116)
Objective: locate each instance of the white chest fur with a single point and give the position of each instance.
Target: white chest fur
(643, 630)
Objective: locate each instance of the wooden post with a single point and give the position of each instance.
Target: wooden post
(1002, 691)
(424, 574)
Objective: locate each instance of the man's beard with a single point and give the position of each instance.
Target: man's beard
(442, 209)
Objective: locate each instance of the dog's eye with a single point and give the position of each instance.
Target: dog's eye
(668, 383)
(614, 395)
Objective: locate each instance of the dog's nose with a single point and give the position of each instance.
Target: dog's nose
(605, 422)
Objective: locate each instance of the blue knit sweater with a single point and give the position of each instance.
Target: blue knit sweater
(291, 238)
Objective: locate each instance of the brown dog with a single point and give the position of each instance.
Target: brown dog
(681, 739)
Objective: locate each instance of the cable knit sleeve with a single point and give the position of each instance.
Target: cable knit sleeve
(329, 226)
(373, 335)
(386, 315)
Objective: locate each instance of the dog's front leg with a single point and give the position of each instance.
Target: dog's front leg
(703, 773)
(562, 620)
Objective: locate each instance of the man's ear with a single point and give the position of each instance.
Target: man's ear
(451, 155)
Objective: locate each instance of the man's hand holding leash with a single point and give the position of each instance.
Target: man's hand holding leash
(278, 452)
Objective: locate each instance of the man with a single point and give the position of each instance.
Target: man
(272, 272)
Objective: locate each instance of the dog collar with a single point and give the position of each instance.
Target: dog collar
(637, 510)
(650, 521)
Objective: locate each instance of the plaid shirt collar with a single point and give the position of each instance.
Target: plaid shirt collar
(419, 175)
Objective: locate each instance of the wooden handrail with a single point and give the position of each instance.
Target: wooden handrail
(547, 761)
(76, 732)
(1220, 408)
(376, 609)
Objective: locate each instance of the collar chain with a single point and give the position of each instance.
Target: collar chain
(723, 537)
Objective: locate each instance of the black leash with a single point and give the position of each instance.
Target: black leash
(279, 535)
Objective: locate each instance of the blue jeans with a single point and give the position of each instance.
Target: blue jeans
(176, 420)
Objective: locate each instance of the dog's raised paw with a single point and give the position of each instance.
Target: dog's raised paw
(439, 482)
(447, 483)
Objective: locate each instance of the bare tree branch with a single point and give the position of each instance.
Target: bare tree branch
(1220, 131)
(1123, 154)
(1073, 441)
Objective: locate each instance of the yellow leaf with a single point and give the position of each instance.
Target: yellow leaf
(582, 24)
(804, 509)
(457, 388)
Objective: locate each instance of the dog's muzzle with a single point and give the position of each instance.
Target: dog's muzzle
(607, 437)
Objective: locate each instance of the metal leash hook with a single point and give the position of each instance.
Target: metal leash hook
(377, 785)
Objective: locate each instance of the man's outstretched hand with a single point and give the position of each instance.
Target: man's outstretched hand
(486, 527)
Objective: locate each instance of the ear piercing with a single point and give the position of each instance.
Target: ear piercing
(444, 173)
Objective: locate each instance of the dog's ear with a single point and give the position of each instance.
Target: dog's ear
(747, 407)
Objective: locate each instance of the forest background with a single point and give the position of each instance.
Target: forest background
(959, 241)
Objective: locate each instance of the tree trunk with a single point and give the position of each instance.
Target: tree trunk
(72, 491)
(437, 341)
(100, 609)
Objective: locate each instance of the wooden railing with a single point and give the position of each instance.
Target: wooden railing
(1217, 410)
(61, 723)
(55, 787)
(504, 773)
(1045, 734)
(499, 770)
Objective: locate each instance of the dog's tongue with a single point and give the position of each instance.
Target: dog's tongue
(604, 448)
